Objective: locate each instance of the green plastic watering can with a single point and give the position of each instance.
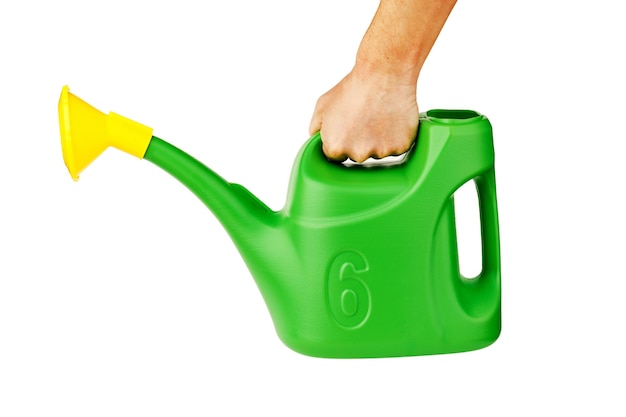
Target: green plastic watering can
(361, 261)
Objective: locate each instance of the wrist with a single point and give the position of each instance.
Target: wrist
(380, 66)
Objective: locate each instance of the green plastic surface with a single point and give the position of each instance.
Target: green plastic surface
(363, 261)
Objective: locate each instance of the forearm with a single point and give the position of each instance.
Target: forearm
(401, 36)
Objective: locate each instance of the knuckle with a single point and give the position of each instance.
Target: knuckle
(360, 156)
(332, 151)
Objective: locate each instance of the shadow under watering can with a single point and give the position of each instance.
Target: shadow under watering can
(361, 261)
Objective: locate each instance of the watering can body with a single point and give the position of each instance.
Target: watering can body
(377, 271)
(363, 261)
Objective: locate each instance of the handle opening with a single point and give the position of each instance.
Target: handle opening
(468, 230)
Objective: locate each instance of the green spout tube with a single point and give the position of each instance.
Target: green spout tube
(258, 232)
(241, 213)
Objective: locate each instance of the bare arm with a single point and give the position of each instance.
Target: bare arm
(372, 112)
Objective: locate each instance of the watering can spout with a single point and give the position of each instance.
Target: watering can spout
(242, 214)
(86, 133)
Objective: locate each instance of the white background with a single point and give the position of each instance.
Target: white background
(122, 295)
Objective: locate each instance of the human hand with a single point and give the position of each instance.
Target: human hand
(373, 111)
(366, 115)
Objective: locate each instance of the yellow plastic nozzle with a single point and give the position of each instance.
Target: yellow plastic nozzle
(86, 132)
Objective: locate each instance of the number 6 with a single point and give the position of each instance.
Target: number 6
(348, 297)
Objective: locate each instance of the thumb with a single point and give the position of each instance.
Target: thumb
(316, 123)
(316, 120)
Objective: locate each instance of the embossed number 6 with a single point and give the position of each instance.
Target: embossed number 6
(348, 297)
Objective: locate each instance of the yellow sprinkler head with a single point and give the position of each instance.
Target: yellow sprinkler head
(86, 132)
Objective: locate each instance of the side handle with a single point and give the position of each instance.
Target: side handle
(488, 208)
(480, 296)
